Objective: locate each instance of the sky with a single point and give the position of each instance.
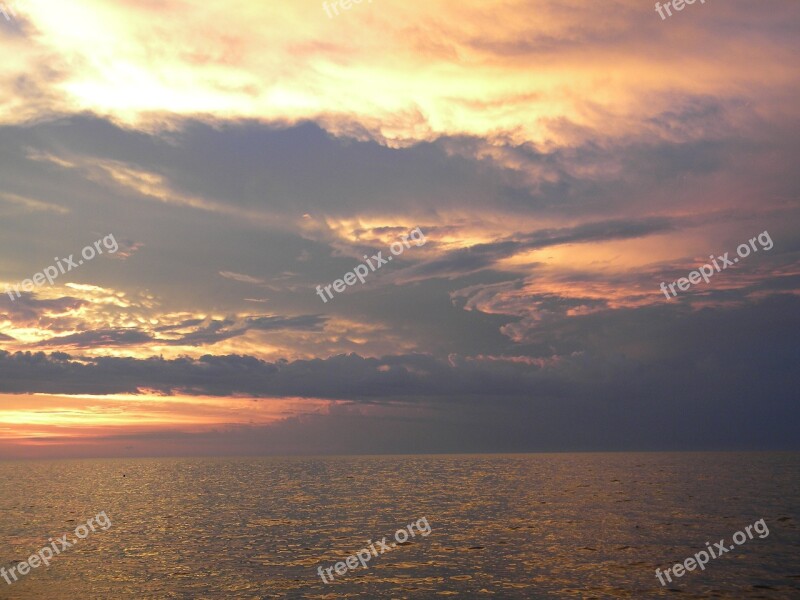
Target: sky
(553, 162)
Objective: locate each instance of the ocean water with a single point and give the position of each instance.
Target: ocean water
(501, 526)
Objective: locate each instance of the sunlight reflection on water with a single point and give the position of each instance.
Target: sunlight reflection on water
(503, 526)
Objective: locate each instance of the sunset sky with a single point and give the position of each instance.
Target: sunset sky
(562, 157)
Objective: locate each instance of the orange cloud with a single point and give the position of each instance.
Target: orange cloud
(522, 71)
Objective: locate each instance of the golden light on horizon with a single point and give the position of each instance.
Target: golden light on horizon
(82, 415)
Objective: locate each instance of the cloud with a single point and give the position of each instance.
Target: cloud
(394, 72)
(188, 333)
(30, 205)
(562, 157)
(463, 261)
(658, 378)
(107, 338)
(241, 277)
(27, 309)
(608, 339)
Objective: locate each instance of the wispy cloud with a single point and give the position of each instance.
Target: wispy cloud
(24, 204)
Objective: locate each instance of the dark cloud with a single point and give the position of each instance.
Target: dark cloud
(206, 332)
(660, 377)
(104, 337)
(463, 261)
(29, 309)
(496, 361)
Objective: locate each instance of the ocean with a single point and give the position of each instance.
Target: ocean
(500, 526)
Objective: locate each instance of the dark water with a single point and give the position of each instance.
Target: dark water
(502, 526)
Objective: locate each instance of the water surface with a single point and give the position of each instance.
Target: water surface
(503, 526)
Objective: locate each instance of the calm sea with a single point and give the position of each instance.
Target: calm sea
(502, 526)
